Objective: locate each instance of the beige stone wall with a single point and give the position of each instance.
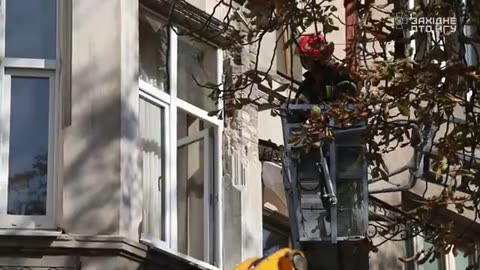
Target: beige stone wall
(387, 255)
(102, 190)
(212, 6)
(338, 37)
(242, 203)
(91, 197)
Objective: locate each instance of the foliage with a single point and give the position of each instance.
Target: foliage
(434, 90)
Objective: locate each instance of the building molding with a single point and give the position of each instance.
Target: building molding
(70, 245)
(192, 19)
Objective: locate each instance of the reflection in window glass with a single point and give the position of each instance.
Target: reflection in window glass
(195, 164)
(188, 124)
(200, 65)
(350, 175)
(190, 196)
(30, 30)
(350, 162)
(151, 129)
(28, 159)
(153, 51)
(351, 213)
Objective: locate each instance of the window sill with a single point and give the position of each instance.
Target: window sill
(26, 232)
(162, 247)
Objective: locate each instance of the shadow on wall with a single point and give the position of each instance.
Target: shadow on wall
(92, 155)
(387, 258)
(102, 193)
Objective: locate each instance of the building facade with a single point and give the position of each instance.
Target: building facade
(109, 159)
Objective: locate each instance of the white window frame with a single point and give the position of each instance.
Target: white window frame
(208, 228)
(36, 68)
(172, 105)
(157, 98)
(447, 262)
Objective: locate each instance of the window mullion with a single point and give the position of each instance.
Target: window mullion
(172, 218)
(52, 147)
(218, 172)
(4, 117)
(2, 33)
(27, 63)
(207, 176)
(4, 142)
(154, 91)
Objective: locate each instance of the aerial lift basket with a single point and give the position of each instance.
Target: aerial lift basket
(326, 187)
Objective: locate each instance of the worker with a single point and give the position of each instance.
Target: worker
(324, 80)
(283, 259)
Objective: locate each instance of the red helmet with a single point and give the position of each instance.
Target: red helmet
(315, 47)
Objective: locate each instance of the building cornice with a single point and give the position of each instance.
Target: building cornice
(84, 245)
(188, 17)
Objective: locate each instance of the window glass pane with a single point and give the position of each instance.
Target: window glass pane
(350, 162)
(30, 29)
(195, 165)
(351, 213)
(152, 133)
(352, 206)
(409, 251)
(461, 262)
(188, 124)
(435, 265)
(153, 51)
(27, 175)
(273, 241)
(200, 64)
(190, 195)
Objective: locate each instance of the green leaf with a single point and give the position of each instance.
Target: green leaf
(250, 73)
(426, 257)
(239, 82)
(282, 88)
(288, 43)
(403, 109)
(271, 98)
(327, 28)
(408, 52)
(269, 80)
(212, 113)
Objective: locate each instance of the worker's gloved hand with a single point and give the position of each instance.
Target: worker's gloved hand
(301, 100)
(346, 88)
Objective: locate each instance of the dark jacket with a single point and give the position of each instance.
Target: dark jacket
(328, 88)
